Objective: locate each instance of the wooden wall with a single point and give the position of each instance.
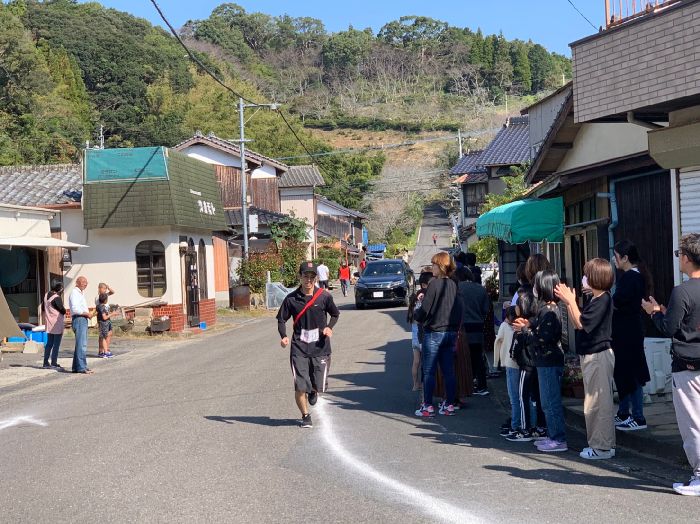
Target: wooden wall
(263, 192)
(220, 264)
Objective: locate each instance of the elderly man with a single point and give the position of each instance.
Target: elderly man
(80, 314)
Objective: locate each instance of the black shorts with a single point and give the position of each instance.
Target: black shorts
(310, 373)
(323, 284)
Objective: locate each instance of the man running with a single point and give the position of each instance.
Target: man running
(435, 237)
(323, 272)
(310, 354)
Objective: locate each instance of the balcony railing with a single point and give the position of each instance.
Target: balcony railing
(621, 11)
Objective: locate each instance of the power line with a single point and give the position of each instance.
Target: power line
(221, 82)
(584, 16)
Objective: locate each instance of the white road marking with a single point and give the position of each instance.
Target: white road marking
(18, 421)
(433, 506)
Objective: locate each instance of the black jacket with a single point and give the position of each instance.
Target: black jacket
(544, 337)
(441, 309)
(316, 317)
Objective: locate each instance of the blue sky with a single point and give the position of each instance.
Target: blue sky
(552, 23)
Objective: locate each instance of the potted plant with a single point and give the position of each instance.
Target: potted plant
(572, 380)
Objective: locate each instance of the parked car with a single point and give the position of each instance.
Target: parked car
(384, 281)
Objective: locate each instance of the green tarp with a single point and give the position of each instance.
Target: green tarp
(524, 221)
(125, 164)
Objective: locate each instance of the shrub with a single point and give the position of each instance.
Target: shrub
(331, 257)
(254, 270)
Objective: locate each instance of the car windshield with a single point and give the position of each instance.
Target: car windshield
(379, 269)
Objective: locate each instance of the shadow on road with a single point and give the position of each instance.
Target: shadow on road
(578, 478)
(258, 421)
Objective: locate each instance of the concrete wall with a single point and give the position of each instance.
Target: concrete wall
(648, 61)
(110, 258)
(301, 203)
(16, 222)
(599, 142)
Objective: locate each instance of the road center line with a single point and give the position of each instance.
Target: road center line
(433, 506)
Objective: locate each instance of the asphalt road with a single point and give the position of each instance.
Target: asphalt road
(434, 221)
(207, 432)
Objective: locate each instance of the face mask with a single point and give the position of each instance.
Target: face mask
(584, 282)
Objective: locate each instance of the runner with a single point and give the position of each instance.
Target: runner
(323, 272)
(344, 276)
(435, 237)
(310, 355)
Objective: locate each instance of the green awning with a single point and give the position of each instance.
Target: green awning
(524, 221)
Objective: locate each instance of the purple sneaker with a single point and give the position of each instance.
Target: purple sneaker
(553, 447)
(541, 442)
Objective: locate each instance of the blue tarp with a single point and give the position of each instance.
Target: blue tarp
(125, 164)
(376, 248)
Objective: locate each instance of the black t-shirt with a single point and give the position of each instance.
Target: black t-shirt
(682, 323)
(596, 332)
(315, 318)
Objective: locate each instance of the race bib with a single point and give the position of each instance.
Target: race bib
(309, 335)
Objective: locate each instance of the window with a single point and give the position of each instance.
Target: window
(474, 197)
(150, 268)
(202, 264)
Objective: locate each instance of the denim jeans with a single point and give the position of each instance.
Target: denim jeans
(513, 383)
(53, 343)
(80, 328)
(344, 286)
(550, 397)
(438, 349)
(636, 399)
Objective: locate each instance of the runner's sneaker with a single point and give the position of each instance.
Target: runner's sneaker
(446, 409)
(553, 446)
(481, 392)
(520, 436)
(690, 488)
(306, 421)
(632, 425)
(313, 397)
(425, 411)
(596, 454)
(108, 354)
(538, 434)
(619, 420)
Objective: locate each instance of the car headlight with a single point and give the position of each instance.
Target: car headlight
(360, 285)
(398, 283)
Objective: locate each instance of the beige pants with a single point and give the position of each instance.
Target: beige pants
(686, 401)
(598, 406)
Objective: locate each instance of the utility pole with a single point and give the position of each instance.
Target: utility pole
(459, 141)
(244, 181)
(102, 137)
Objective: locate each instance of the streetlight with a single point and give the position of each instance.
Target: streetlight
(244, 181)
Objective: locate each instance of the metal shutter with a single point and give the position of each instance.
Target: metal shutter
(690, 200)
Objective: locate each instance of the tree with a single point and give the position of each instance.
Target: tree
(343, 51)
(522, 76)
(541, 65)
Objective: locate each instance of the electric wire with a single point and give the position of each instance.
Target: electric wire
(584, 16)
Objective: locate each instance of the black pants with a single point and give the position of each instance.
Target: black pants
(476, 353)
(530, 392)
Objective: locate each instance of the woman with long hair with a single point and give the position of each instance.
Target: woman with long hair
(440, 313)
(631, 371)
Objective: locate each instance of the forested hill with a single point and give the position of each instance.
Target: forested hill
(67, 68)
(417, 71)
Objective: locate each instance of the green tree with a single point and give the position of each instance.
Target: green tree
(541, 65)
(343, 51)
(522, 76)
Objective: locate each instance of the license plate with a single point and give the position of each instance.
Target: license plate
(378, 294)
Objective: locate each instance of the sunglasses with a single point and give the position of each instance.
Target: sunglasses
(678, 253)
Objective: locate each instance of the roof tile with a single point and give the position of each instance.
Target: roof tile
(301, 176)
(41, 185)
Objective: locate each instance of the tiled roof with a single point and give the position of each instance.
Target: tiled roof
(511, 146)
(229, 147)
(477, 178)
(234, 217)
(350, 212)
(301, 176)
(469, 163)
(45, 185)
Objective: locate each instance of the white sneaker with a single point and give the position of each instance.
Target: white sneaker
(597, 454)
(690, 488)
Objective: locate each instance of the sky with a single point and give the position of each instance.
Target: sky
(552, 23)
